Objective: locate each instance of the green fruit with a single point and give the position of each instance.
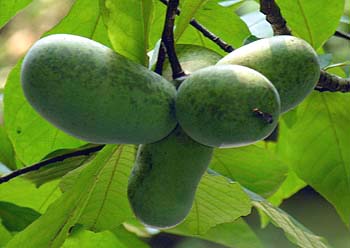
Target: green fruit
(95, 94)
(288, 62)
(191, 58)
(165, 177)
(227, 106)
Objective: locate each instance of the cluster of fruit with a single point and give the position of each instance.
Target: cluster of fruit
(95, 94)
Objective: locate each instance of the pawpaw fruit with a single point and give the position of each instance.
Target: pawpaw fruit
(227, 106)
(95, 94)
(191, 58)
(164, 179)
(290, 63)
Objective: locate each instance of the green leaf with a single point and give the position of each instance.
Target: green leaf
(314, 21)
(88, 239)
(316, 146)
(5, 235)
(256, 168)
(7, 154)
(32, 136)
(128, 24)
(234, 234)
(217, 201)
(97, 200)
(10, 9)
(16, 218)
(293, 230)
(227, 25)
(128, 239)
(291, 185)
(24, 193)
(188, 10)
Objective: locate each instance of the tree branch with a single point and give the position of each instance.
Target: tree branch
(327, 81)
(160, 59)
(274, 17)
(206, 33)
(46, 162)
(168, 39)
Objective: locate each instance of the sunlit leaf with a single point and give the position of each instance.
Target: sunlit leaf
(314, 21)
(10, 8)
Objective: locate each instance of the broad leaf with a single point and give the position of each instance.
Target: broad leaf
(315, 140)
(294, 231)
(234, 234)
(128, 24)
(16, 218)
(256, 168)
(188, 10)
(217, 201)
(10, 9)
(93, 200)
(24, 193)
(314, 21)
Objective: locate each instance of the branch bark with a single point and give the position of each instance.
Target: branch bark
(342, 35)
(46, 162)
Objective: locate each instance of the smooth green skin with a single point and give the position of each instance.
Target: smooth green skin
(165, 177)
(191, 58)
(290, 63)
(215, 106)
(95, 94)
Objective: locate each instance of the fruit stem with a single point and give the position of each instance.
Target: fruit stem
(262, 115)
(274, 17)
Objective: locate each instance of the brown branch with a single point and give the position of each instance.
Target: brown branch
(206, 33)
(274, 17)
(332, 83)
(160, 59)
(46, 162)
(168, 39)
(342, 35)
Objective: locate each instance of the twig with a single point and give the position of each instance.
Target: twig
(274, 17)
(168, 39)
(342, 35)
(160, 59)
(206, 33)
(332, 83)
(41, 164)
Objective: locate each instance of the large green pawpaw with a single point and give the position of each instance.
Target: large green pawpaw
(164, 179)
(290, 63)
(95, 94)
(227, 106)
(191, 58)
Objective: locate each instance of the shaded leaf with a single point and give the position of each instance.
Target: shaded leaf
(16, 218)
(5, 235)
(128, 24)
(10, 9)
(293, 230)
(256, 168)
(7, 155)
(314, 21)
